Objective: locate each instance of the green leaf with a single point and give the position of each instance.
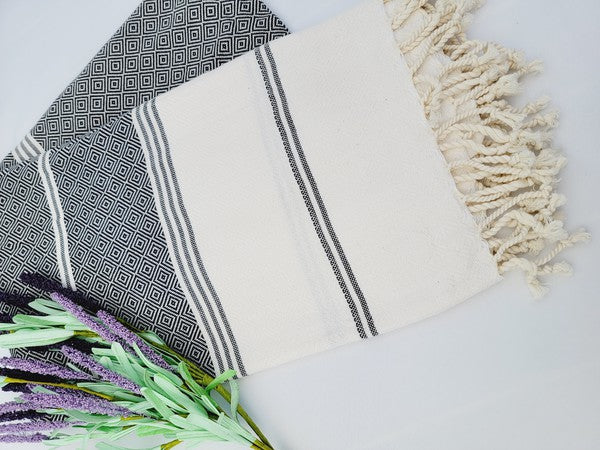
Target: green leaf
(111, 390)
(51, 320)
(158, 402)
(174, 393)
(34, 338)
(209, 404)
(46, 306)
(143, 407)
(182, 423)
(235, 398)
(194, 439)
(235, 427)
(165, 429)
(189, 380)
(99, 351)
(150, 365)
(10, 326)
(151, 338)
(130, 428)
(64, 440)
(227, 375)
(127, 368)
(108, 446)
(87, 418)
(204, 423)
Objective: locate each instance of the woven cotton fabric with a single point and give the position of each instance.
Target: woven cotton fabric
(323, 188)
(280, 205)
(161, 45)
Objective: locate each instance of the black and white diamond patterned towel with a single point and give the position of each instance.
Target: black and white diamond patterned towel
(163, 44)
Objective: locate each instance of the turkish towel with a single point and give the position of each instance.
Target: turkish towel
(161, 45)
(327, 187)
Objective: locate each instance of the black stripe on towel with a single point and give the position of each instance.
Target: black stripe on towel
(180, 234)
(277, 113)
(194, 247)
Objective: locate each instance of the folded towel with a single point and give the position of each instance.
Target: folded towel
(161, 45)
(304, 195)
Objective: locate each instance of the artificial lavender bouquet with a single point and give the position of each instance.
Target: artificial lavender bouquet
(117, 381)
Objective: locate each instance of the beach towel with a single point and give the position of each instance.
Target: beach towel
(327, 187)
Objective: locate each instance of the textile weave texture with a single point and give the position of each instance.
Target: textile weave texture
(323, 188)
(245, 216)
(161, 45)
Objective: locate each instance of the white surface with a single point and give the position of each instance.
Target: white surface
(498, 372)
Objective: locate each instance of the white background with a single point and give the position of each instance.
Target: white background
(501, 371)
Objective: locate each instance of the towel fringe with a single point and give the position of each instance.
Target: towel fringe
(499, 154)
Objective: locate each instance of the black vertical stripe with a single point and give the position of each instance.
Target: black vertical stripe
(186, 219)
(171, 233)
(305, 196)
(316, 193)
(187, 259)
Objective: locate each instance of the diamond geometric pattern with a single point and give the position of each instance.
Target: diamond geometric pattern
(116, 243)
(26, 237)
(102, 180)
(163, 44)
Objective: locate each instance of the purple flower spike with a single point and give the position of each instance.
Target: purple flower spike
(13, 407)
(12, 438)
(17, 387)
(22, 415)
(92, 365)
(79, 313)
(19, 301)
(130, 337)
(37, 425)
(76, 401)
(29, 376)
(45, 284)
(42, 368)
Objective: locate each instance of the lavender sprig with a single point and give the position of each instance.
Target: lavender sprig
(22, 375)
(79, 313)
(14, 407)
(17, 387)
(20, 301)
(36, 425)
(43, 406)
(89, 363)
(45, 284)
(131, 338)
(15, 438)
(43, 368)
(8, 416)
(78, 401)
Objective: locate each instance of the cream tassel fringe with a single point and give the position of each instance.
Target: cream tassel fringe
(498, 154)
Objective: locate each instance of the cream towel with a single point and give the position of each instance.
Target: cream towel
(298, 198)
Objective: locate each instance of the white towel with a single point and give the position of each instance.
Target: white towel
(310, 182)
(304, 195)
